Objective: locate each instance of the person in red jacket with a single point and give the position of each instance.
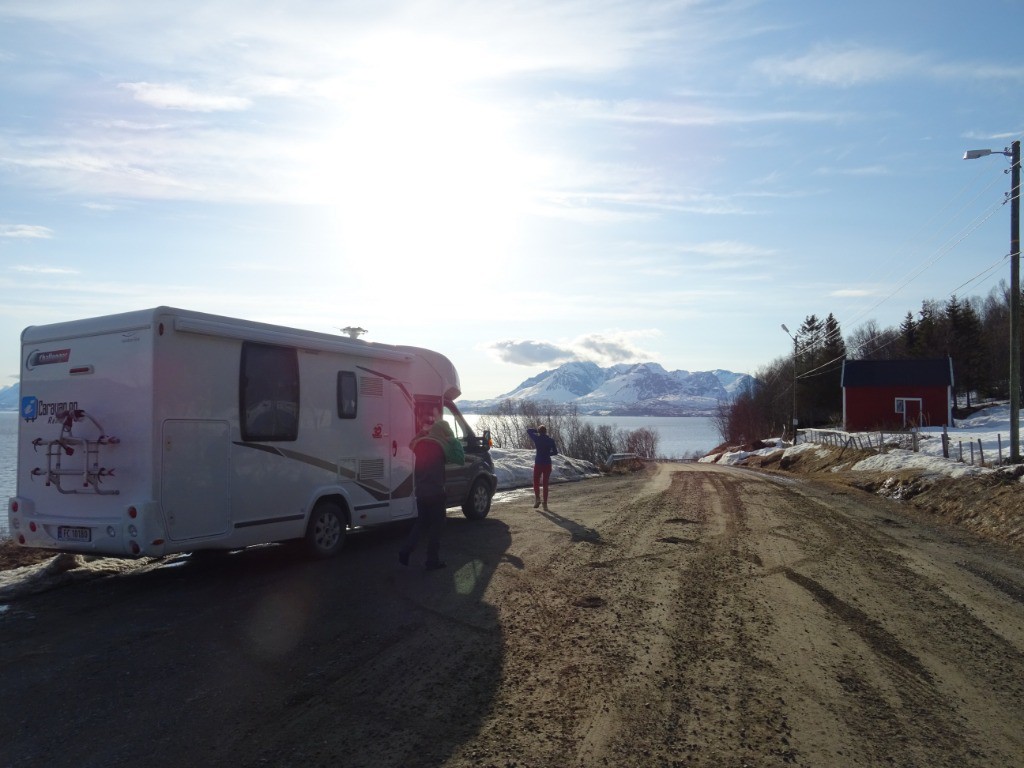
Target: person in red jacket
(541, 464)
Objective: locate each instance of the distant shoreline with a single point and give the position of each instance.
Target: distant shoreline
(623, 413)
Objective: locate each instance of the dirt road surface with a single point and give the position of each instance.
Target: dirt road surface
(689, 615)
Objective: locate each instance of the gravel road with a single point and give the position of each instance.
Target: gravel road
(689, 615)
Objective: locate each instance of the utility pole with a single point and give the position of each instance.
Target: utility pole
(1013, 152)
(1015, 302)
(795, 420)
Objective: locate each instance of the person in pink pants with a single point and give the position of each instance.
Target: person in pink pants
(546, 448)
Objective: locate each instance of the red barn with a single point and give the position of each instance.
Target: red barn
(897, 394)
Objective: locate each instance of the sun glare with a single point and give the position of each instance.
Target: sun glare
(421, 175)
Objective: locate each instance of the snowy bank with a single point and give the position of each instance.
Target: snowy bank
(514, 468)
(990, 426)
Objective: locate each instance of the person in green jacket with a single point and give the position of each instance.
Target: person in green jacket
(434, 447)
(441, 431)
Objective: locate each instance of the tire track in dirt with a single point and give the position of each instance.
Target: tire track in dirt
(729, 620)
(870, 631)
(565, 617)
(857, 573)
(686, 615)
(693, 693)
(1007, 586)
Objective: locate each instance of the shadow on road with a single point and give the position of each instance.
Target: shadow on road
(578, 531)
(260, 658)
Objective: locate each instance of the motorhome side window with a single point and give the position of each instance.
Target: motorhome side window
(347, 397)
(269, 392)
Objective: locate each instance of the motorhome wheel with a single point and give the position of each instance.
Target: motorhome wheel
(326, 532)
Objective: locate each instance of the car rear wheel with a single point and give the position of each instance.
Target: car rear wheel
(478, 503)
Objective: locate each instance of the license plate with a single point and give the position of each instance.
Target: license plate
(72, 533)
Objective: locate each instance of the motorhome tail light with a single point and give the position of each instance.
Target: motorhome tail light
(32, 526)
(21, 538)
(134, 547)
(133, 512)
(14, 506)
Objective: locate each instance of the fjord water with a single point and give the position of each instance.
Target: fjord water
(678, 436)
(8, 461)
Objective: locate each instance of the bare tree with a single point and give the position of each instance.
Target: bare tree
(643, 442)
(572, 433)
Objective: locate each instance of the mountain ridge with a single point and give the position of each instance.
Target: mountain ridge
(625, 389)
(9, 399)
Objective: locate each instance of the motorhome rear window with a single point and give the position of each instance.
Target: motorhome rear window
(269, 393)
(348, 395)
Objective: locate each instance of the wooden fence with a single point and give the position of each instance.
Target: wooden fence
(969, 452)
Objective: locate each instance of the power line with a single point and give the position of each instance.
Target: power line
(916, 237)
(951, 243)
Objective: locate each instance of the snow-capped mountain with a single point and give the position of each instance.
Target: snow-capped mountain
(9, 400)
(562, 385)
(641, 389)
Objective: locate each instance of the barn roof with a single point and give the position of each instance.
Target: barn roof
(895, 373)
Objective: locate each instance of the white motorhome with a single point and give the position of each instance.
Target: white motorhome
(165, 430)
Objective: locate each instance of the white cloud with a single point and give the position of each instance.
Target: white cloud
(867, 170)
(845, 65)
(971, 71)
(721, 248)
(25, 231)
(674, 114)
(601, 348)
(852, 64)
(45, 270)
(673, 260)
(530, 352)
(171, 96)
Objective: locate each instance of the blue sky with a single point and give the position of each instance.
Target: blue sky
(513, 184)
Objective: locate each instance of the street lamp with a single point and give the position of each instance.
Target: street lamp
(795, 421)
(1012, 152)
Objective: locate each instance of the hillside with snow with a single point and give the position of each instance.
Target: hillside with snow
(9, 400)
(639, 389)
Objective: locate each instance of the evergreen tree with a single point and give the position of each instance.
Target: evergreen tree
(975, 333)
(820, 353)
(908, 335)
(931, 331)
(965, 346)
